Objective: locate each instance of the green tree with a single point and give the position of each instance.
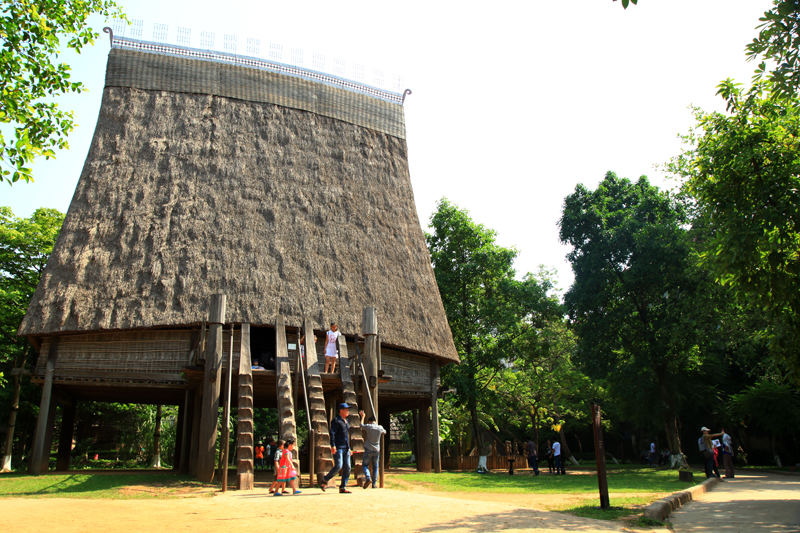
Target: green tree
(25, 245)
(636, 302)
(32, 34)
(487, 307)
(772, 408)
(778, 42)
(742, 170)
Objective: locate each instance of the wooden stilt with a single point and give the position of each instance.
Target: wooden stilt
(41, 456)
(415, 421)
(211, 391)
(437, 454)
(68, 412)
(226, 418)
(185, 417)
(424, 441)
(176, 458)
(246, 442)
(194, 448)
(385, 420)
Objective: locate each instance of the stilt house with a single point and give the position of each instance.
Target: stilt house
(227, 205)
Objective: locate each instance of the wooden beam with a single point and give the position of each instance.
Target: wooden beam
(211, 391)
(68, 413)
(437, 453)
(176, 461)
(245, 451)
(39, 453)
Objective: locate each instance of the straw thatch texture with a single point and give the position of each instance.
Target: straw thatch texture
(140, 70)
(284, 211)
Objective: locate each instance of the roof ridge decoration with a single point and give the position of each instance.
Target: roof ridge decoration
(216, 56)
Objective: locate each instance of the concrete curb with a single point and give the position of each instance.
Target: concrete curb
(661, 509)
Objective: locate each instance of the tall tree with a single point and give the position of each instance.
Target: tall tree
(487, 307)
(742, 170)
(32, 34)
(25, 245)
(636, 300)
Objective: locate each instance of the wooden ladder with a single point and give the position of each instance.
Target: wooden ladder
(287, 426)
(316, 405)
(351, 399)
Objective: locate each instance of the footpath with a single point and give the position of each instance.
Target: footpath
(752, 501)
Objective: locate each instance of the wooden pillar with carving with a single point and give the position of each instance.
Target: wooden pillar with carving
(245, 443)
(212, 379)
(369, 328)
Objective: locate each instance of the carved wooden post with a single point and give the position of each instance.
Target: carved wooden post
(317, 408)
(244, 456)
(369, 327)
(40, 458)
(211, 391)
(225, 449)
(437, 453)
(65, 438)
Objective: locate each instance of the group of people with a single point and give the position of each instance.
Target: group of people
(712, 447)
(340, 449)
(553, 455)
(265, 455)
(286, 474)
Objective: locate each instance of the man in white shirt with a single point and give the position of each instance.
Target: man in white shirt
(727, 454)
(559, 459)
(653, 459)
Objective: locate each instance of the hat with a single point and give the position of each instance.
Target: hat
(343, 406)
(704, 429)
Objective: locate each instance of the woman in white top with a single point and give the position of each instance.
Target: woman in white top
(330, 348)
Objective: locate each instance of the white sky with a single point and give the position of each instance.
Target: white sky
(512, 105)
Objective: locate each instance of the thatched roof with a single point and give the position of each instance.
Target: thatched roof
(285, 211)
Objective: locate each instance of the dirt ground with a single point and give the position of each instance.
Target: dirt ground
(312, 511)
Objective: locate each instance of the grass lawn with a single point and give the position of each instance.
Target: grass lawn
(635, 487)
(102, 486)
(624, 479)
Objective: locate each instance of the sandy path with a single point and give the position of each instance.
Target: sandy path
(312, 511)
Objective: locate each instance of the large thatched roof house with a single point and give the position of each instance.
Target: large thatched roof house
(285, 190)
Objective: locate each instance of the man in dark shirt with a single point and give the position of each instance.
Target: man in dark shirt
(340, 448)
(533, 456)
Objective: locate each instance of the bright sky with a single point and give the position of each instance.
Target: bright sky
(513, 104)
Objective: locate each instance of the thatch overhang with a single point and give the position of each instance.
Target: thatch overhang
(287, 211)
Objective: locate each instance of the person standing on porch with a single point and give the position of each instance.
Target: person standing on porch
(330, 348)
(340, 448)
(372, 449)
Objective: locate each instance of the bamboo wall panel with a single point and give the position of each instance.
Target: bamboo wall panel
(408, 371)
(148, 352)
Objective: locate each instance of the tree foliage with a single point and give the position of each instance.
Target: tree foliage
(778, 42)
(32, 33)
(487, 307)
(742, 170)
(636, 303)
(25, 245)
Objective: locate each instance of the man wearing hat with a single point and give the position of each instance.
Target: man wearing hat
(707, 449)
(340, 448)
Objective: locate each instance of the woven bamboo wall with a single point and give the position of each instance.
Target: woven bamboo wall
(163, 352)
(409, 372)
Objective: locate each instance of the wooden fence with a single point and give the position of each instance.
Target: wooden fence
(493, 462)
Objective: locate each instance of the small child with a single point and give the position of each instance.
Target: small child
(277, 487)
(286, 472)
(330, 348)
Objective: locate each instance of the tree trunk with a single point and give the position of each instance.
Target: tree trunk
(476, 426)
(670, 417)
(12, 420)
(157, 440)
